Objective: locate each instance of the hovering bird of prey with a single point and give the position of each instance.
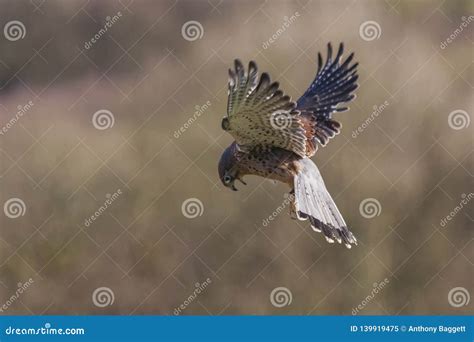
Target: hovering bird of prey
(275, 137)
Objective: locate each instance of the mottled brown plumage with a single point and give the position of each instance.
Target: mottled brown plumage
(274, 136)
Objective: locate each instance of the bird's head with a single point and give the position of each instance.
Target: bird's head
(229, 168)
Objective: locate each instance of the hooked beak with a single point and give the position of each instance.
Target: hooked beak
(241, 181)
(232, 186)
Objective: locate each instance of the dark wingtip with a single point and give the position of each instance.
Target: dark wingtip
(339, 52)
(320, 61)
(329, 52)
(253, 65)
(238, 64)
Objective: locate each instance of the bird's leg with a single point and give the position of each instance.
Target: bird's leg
(291, 198)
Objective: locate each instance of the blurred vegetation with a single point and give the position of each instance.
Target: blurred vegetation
(153, 81)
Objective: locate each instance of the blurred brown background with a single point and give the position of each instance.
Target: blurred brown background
(413, 160)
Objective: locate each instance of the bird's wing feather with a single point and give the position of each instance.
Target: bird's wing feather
(334, 84)
(258, 113)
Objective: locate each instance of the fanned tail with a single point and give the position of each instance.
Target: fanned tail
(313, 202)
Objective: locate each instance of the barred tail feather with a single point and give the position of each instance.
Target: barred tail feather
(313, 202)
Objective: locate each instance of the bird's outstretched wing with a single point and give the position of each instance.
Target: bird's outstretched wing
(334, 84)
(258, 113)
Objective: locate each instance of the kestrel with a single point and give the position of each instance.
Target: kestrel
(276, 137)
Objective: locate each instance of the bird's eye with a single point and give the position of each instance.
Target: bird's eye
(225, 124)
(227, 179)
